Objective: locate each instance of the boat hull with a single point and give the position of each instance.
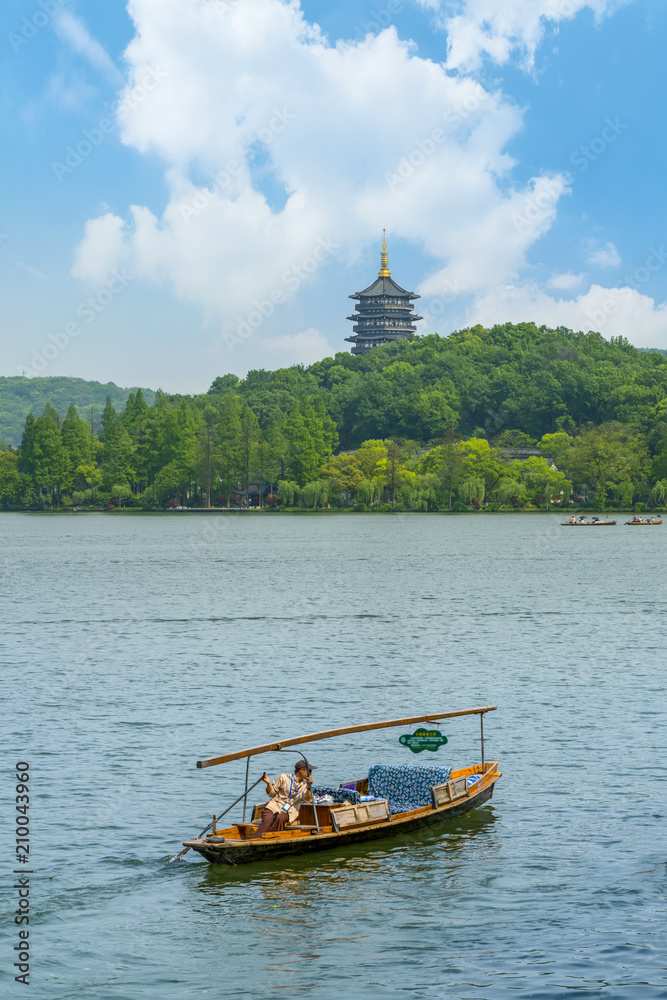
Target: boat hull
(249, 851)
(587, 524)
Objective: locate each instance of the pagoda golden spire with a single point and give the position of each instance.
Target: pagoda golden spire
(384, 259)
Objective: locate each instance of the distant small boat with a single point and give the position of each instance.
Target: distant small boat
(643, 521)
(583, 523)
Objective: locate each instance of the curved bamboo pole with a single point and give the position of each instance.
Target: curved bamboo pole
(329, 733)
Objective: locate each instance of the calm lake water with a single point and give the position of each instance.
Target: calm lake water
(131, 646)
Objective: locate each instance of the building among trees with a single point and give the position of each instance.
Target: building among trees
(383, 311)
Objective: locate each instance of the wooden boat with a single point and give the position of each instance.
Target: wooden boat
(587, 524)
(322, 827)
(645, 522)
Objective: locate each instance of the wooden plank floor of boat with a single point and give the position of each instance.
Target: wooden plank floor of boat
(235, 848)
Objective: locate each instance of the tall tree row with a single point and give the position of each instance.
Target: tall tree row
(209, 450)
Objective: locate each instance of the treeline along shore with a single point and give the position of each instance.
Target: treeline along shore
(516, 417)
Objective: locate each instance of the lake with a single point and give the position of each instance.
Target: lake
(132, 645)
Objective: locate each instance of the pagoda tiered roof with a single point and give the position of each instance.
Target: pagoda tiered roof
(383, 311)
(384, 285)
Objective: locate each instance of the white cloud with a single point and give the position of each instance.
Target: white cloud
(478, 28)
(606, 256)
(489, 247)
(73, 31)
(101, 249)
(356, 137)
(563, 282)
(613, 312)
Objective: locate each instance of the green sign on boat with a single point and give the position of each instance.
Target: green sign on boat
(423, 739)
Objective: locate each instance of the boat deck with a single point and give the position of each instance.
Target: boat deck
(237, 844)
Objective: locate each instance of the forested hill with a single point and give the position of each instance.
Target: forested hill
(477, 380)
(519, 377)
(20, 396)
(513, 415)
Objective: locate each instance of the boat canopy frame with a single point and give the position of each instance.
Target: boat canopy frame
(328, 734)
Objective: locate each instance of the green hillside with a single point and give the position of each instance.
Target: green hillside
(20, 396)
(513, 416)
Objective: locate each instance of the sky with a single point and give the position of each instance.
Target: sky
(195, 187)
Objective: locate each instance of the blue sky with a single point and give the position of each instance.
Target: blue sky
(192, 187)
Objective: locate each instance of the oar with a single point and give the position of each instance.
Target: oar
(243, 796)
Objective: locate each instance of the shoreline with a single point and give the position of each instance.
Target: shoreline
(209, 511)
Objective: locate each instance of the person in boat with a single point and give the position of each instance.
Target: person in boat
(572, 520)
(287, 793)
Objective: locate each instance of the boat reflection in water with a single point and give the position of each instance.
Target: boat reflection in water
(282, 881)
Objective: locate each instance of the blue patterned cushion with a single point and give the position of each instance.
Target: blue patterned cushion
(338, 794)
(407, 786)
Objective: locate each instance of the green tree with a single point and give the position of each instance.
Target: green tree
(26, 454)
(452, 464)
(316, 493)
(345, 472)
(53, 415)
(541, 480)
(136, 420)
(605, 456)
(323, 429)
(372, 457)
(120, 492)
(472, 488)
(208, 451)
(508, 489)
(89, 475)
(556, 446)
(117, 450)
(275, 454)
(658, 493)
(223, 383)
(42, 455)
(162, 436)
(16, 488)
(76, 439)
(170, 483)
(230, 449)
(287, 491)
(185, 450)
(304, 457)
(249, 440)
(659, 463)
(511, 440)
(482, 462)
(393, 469)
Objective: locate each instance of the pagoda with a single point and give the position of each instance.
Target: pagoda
(383, 311)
